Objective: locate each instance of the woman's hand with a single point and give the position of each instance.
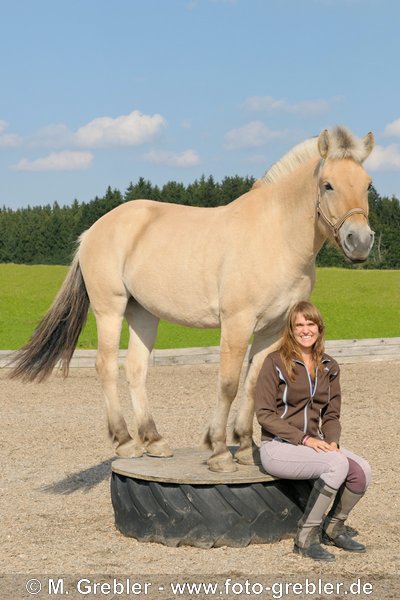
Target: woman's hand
(320, 445)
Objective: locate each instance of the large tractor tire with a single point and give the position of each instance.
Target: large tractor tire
(202, 509)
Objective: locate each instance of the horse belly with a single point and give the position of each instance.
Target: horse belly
(174, 291)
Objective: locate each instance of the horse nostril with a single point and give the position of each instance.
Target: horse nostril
(350, 240)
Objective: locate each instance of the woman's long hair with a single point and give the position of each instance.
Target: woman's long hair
(290, 349)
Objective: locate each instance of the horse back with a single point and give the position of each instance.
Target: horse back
(166, 256)
(187, 264)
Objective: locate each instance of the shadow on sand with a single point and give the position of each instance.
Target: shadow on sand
(82, 480)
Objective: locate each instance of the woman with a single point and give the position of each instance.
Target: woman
(298, 407)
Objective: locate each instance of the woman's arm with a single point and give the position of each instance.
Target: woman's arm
(266, 405)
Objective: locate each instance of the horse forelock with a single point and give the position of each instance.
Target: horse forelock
(343, 144)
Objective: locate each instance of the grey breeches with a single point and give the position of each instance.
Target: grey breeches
(290, 461)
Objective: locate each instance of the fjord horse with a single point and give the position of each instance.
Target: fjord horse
(239, 267)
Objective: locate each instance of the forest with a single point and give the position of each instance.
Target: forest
(47, 234)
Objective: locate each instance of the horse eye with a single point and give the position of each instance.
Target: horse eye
(370, 186)
(328, 186)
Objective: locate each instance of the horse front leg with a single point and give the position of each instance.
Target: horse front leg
(233, 347)
(248, 452)
(142, 334)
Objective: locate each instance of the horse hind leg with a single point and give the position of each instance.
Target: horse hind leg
(109, 322)
(234, 341)
(142, 334)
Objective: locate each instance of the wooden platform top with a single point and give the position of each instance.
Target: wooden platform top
(188, 465)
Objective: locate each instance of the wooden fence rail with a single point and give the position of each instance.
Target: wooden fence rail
(345, 351)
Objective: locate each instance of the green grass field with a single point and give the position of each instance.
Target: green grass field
(354, 303)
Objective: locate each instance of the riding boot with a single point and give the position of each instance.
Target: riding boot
(307, 541)
(334, 529)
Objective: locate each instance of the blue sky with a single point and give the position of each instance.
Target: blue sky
(100, 92)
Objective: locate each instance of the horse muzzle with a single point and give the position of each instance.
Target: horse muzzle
(356, 241)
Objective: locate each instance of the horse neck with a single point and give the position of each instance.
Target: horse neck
(296, 197)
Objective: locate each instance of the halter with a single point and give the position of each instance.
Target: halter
(335, 226)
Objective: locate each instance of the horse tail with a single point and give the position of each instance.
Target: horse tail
(56, 335)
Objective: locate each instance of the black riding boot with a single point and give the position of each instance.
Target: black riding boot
(307, 541)
(334, 530)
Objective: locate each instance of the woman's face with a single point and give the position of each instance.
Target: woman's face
(305, 332)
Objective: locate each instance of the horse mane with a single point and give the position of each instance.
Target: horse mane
(292, 160)
(342, 144)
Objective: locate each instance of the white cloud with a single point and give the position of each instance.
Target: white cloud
(56, 161)
(268, 103)
(384, 158)
(8, 140)
(188, 158)
(55, 135)
(392, 129)
(127, 130)
(252, 135)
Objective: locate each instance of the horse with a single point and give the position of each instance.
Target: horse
(239, 267)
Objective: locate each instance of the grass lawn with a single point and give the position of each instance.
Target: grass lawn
(355, 304)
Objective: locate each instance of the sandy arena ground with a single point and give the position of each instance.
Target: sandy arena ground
(57, 516)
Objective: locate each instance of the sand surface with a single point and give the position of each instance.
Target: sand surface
(56, 512)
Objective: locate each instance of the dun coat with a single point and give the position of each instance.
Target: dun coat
(239, 267)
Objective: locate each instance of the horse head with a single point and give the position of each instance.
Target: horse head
(343, 187)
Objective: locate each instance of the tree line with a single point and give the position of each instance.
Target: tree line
(47, 234)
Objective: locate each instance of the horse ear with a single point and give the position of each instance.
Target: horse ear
(323, 143)
(369, 142)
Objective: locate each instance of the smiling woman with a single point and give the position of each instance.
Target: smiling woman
(298, 402)
(305, 333)
(303, 337)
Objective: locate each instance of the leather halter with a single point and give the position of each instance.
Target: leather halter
(336, 226)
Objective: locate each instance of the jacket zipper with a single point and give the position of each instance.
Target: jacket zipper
(313, 389)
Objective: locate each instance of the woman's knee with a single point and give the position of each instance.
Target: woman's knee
(338, 471)
(359, 475)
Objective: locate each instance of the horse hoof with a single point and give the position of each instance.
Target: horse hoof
(130, 449)
(248, 456)
(222, 463)
(159, 449)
